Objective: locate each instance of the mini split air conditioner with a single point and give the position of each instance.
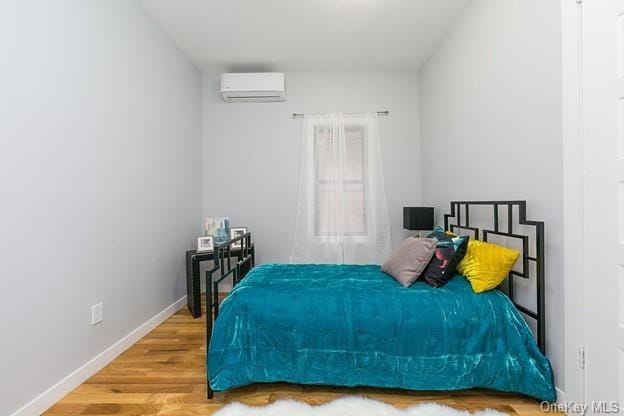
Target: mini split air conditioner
(253, 87)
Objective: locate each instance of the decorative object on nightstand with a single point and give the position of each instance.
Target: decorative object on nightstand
(218, 228)
(237, 232)
(205, 244)
(418, 218)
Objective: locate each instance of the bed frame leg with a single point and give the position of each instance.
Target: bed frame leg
(209, 321)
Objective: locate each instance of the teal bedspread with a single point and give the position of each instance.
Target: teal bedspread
(349, 325)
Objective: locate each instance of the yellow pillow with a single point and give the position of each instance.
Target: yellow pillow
(486, 265)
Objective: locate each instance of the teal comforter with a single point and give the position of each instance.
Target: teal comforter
(351, 325)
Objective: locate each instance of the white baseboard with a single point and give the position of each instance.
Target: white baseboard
(46, 399)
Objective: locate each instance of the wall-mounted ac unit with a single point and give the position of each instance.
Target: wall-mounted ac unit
(258, 87)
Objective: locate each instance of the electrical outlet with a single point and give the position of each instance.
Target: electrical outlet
(96, 313)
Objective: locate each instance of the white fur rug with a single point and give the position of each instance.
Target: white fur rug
(346, 406)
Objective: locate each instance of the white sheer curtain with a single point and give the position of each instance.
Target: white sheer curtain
(342, 215)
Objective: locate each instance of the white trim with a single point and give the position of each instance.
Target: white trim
(49, 397)
(561, 396)
(573, 197)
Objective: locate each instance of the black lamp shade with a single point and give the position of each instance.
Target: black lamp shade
(418, 218)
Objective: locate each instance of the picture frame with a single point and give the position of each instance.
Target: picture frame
(237, 232)
(205, 244)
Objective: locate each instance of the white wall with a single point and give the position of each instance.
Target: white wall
(491, 124)
(251, 150)
(100, 132)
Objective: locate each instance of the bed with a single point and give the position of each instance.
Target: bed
(353, 325)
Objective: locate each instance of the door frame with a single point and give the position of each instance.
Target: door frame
(573, 202)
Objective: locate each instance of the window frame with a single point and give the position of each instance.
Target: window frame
(332, 236)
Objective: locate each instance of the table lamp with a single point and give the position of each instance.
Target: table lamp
(418, 218)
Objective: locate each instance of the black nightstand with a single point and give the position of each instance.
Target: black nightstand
(193, 279)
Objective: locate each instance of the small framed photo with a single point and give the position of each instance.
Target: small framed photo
(205, 244)
(237, 232)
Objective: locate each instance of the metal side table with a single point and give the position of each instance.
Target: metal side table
(193, 279)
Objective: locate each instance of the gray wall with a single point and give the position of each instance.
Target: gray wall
(253, 148)
(99, 175)
(491, 124)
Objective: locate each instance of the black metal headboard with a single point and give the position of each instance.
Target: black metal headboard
(461, 220)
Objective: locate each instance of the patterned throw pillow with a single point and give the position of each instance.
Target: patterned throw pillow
(450, 250)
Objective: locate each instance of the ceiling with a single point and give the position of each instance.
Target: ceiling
(306, 35)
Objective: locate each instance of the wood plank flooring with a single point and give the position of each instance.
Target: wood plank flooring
(163, 375)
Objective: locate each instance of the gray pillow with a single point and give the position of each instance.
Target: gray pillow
(408, 261)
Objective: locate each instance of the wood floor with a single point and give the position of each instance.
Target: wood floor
(163, 374)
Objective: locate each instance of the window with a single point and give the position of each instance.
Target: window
(340, 165)
(342, 216)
